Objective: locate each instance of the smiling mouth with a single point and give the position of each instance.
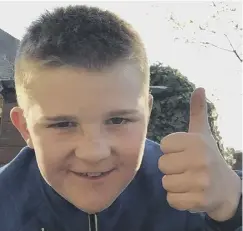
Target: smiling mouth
(94, 175)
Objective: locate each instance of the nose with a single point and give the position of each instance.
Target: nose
(93, 148)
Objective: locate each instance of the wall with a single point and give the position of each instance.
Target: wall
(11, 141)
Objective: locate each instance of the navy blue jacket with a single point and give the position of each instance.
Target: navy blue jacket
(29, 204)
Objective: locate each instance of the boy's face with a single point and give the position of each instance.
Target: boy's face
(88, 131)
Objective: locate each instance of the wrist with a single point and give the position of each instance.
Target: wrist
(233, 223)
(228, 208)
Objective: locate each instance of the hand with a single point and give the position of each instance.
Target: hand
(196, 176)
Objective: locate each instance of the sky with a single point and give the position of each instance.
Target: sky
(218, 71)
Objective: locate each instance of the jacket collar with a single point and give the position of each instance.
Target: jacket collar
(65, 213)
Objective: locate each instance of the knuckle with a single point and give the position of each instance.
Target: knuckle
(166, 182)
(171, 200)
(200, 143)
(161, 163)
(202, 201)
(176, 202)
(205, 182)
(201, 160)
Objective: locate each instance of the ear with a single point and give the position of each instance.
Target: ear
(150, 102)
(19, 121)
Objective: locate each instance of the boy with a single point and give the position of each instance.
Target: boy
(82, 85)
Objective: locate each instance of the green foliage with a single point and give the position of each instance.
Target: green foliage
(172, 105)
(228, 154)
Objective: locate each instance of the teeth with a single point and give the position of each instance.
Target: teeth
(93, 174)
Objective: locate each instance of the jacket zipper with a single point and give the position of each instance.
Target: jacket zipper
(93, 222)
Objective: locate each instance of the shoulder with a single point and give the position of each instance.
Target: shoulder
(152, 153)
(13, 172)
(17, 191)
(149, 176)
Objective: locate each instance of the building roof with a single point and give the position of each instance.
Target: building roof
(8, 45)
(8, 48)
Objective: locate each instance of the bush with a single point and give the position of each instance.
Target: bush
(171, 109)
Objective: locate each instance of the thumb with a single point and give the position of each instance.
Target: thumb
(198, 122)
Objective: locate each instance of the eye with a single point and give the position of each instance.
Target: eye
(63, 125)
(117, 121)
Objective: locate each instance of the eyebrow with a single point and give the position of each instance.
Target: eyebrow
(60, 118)
(123, 112)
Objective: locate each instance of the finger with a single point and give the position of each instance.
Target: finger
(186, 182)
(176, 183)
(173, 163)
(176, 142)
(186, 201)
(198, 122)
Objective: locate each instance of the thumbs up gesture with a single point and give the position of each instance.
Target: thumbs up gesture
(196, 177)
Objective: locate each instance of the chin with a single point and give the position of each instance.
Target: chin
(95, 207)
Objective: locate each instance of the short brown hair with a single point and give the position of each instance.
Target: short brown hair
(79, 36)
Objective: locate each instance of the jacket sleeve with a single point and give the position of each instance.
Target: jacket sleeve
(202, 220)
(233, 224)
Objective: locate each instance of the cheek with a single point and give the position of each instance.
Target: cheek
(51, 160)
(131, 145)
(50, 153)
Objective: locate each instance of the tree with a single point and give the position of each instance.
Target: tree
(237, 165)
(7, 88)
(217, 30)
(172, 93)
